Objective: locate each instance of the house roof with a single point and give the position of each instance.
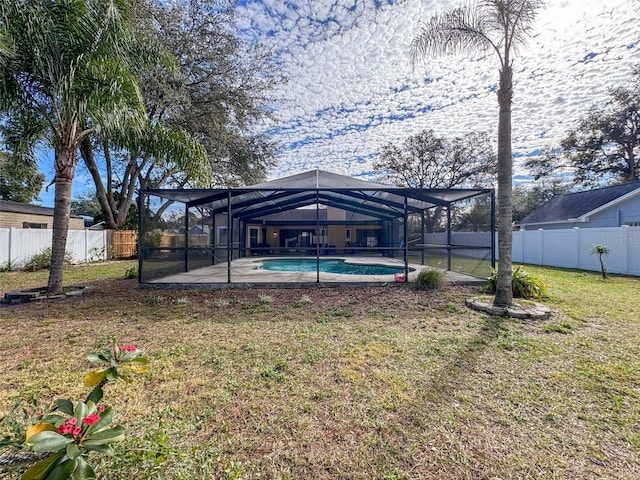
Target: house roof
(578, 206)
(317, 186)
(27, 208)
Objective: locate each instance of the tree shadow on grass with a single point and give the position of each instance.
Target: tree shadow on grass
(465, 361)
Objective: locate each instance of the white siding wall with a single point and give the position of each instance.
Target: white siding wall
(18, 245)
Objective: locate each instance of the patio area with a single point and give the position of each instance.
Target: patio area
(248, 271)
(222, 233)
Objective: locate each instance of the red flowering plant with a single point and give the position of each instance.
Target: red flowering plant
(70, 439)
(62, 438)
(120, 362)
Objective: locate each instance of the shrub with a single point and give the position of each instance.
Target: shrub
(523, 284)
(42, 261)
(429, 279)
(304, 300)
(151, 240)
(264, 299)
(6, 267)
(131, 273)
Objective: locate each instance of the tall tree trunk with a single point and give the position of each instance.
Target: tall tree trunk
(504, 293)
(86, 151)
(65, 163)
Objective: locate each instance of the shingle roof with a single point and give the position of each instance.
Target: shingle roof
(17, 207)
(575, 205)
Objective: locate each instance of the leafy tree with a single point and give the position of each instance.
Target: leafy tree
(69, 75)
(216, 93)
(425, 160)
(86, 206)
(475, 216)
(222, 88)
(497, 26)
(605, 146)
(20, 180)
(530, 197)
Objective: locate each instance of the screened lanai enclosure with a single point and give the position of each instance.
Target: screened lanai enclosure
(314, 227)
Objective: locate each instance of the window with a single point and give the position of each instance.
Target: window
(34, 225)
(254, 237)
(632, 224)
(222, 237)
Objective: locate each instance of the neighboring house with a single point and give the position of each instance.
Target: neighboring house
(603, 207)
(24, 215)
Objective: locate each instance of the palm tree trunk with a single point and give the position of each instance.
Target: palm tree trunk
(504, 293)
(65, 170)
(602, 269)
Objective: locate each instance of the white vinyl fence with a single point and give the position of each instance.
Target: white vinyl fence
(569, 248)
(18, 245)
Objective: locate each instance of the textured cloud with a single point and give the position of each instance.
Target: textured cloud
(352, 87)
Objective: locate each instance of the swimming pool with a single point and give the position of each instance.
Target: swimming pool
(329, 266)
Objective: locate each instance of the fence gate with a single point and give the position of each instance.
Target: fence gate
(125, 243)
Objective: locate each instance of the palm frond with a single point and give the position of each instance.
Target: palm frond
(513, 19)
(463, 29)
(499, 25)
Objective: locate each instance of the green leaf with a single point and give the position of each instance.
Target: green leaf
(53, 419)
(110, 435)
(65, 406)
(104, 449)
(80, 412)
(39, 470)
(112, 374)
(73, 451)
(63, 470)
(96, 395)
(83, 471)
(141, 360)
(99, 357)
(49, 441)
(91, 407)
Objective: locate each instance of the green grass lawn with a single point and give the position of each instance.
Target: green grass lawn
(343, 383)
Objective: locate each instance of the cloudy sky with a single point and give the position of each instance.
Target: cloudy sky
(352, 87)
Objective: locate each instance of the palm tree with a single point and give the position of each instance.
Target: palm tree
(68, 75)
(488, 26)
(600, 250)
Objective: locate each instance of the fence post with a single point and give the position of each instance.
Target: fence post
(11, 242)
(541, 244)
(86, 244)
(576, 231)
(627, 249)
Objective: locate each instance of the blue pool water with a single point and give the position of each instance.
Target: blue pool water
(329, 266)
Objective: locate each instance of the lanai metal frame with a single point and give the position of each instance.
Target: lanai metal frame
(364, 200)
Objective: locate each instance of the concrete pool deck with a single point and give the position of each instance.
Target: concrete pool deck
(247, 272)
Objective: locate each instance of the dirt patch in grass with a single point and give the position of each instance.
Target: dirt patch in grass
(326, 383)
